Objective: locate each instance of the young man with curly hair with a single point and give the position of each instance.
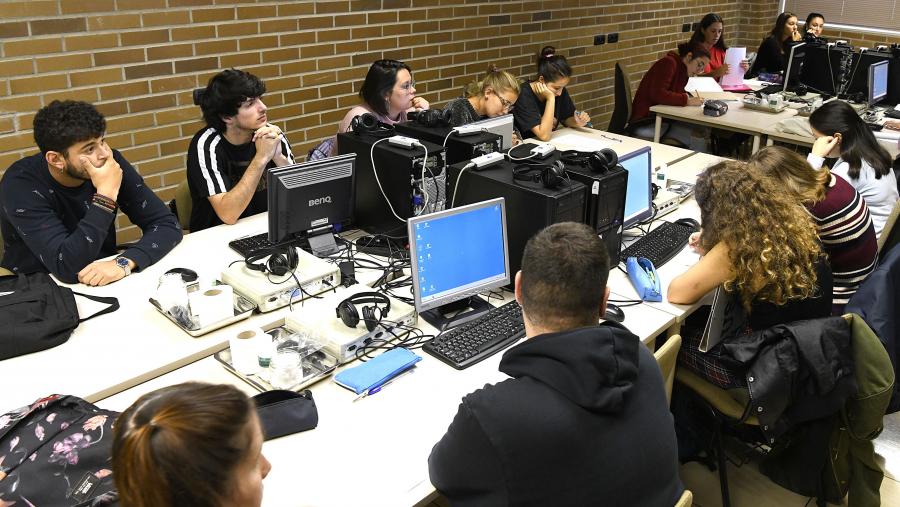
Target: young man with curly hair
(228, 158)
(59, 205)
(582, 395)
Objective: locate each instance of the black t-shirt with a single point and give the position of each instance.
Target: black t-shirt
(529, 110)
(214, 166)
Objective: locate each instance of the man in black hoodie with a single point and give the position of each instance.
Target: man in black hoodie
(583, 420)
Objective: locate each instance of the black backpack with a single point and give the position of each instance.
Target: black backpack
(38, 314)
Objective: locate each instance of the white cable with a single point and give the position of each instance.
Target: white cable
(375, 171)
(424, 190)
(448, 137)
(456, 185)
(516, 159)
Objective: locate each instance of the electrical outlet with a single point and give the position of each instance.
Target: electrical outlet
(686, 27)
(599, 39)
(613, 37)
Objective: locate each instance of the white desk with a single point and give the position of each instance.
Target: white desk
(773, 134)
(116, 351)
(737, 119)
(585, 139)
(373, 451)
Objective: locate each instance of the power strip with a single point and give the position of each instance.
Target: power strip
(467, 130)
(404, 142)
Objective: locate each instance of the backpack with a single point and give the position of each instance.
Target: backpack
(57, 452)
(37, 314)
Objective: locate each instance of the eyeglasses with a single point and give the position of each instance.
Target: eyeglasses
(507, 105)
(408, 86)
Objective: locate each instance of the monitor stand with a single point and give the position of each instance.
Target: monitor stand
(453, 314)
(323, 245)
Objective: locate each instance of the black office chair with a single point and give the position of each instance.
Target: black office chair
(618, 122)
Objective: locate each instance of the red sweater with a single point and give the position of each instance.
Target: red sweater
(716, 59)
(662, 84)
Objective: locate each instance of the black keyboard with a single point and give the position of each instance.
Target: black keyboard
(250, 244)
(770, 89)
(660, 244)
(479, 339)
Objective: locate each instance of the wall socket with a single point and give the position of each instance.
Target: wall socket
(613, 37)
(599, 39)
(686, 27)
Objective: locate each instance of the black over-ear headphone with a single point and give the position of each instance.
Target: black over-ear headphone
(368, 123)
(433, 117)
(282, 260)
(346, 309)
(599, 161)
(551, 175)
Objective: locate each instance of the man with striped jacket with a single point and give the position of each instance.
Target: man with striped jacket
(228, 159)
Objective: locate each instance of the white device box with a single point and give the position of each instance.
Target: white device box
(271, 292)
(318, 318)
(666, 202)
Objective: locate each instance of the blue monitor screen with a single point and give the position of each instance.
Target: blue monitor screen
(638, 199)
(456, 253)
(878, 81)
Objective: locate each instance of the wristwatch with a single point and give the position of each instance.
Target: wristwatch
(122, 262)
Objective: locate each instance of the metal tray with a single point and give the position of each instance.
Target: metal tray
(321, 365)
(243, 307)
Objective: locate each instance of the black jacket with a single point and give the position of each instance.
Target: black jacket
(583, 421)
(878, 302)
(796, 372)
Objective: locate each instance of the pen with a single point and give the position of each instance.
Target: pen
(373, 390)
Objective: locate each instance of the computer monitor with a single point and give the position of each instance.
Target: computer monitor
(639, 194)
(312, 200)
(878, 81)
(794, 66)
(457, 254)
(500, 125)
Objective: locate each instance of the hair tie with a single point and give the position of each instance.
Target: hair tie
(549, 55)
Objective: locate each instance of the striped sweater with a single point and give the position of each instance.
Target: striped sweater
(215, 166)
(848, 238)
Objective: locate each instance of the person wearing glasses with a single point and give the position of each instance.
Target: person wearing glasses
(389, 92)
(545, 103)
(493, 95)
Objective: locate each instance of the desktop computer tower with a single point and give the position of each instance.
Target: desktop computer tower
(459, 148)
(604, 204)
(399, 172)
(529, 206)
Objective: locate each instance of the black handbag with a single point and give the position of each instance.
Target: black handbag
(39, 313)
(57, 452)
(283, 412)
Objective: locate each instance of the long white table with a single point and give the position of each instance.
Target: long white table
(585, 139)
(737, 119)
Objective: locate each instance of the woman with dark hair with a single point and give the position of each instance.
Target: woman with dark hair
(814, 26)
(193, 444)
(388, 92)
(664, 84)
(710, 34)
(864, 163)
(842, 218)
(770, 55)
(545, 103)
(763, 252)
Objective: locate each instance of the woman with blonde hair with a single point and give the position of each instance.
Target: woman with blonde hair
(841, 216)
(763, 249)
(492, 95)
(190, 445)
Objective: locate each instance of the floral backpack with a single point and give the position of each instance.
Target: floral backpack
(57, 452)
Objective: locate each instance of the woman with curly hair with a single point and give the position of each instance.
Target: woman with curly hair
(759, 244)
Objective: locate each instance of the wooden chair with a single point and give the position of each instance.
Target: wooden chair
(667, 357)
(727, 410)
(183, 204)
(687, 498)
(890, 235)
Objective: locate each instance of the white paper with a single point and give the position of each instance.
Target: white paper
(702, 84)
(734, 57)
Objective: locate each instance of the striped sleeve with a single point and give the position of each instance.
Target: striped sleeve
(286, 149)
(209, 163)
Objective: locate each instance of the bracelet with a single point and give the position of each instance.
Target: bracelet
(104, 203)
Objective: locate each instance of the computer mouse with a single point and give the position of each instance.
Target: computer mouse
(613, 313)
(689, 222)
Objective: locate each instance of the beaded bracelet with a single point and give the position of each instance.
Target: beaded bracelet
(105, 203)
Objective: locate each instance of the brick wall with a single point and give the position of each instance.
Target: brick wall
(138, 60)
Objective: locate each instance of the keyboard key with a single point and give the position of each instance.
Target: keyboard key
(479, 339)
